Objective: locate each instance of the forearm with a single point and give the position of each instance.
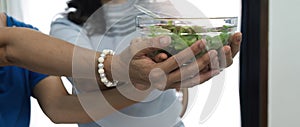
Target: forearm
(87, 107)
(61, 107)
(41, 53)
(36, 51)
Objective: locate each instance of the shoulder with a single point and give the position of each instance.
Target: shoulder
(63, 28)
(62, 21)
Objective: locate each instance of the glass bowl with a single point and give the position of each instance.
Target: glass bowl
(186, 31)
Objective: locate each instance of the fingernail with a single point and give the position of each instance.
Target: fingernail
(239, 38)
(227, 49)
(213, 53)
(164, 41)
(202, 44)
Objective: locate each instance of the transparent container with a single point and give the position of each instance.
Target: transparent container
(186, 31)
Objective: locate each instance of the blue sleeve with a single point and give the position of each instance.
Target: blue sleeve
(35, 78)
(10, 22)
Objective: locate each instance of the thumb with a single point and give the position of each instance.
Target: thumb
(235, 43)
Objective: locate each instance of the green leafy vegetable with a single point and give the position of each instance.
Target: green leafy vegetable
(184, 36)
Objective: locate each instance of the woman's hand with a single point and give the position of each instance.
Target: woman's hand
(133, 65)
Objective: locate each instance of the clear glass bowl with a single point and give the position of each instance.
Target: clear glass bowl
(186, 31)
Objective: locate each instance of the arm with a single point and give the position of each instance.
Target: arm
(64, 108)
(28, 48)
(41, 53)
(10, 36)
(2, 20)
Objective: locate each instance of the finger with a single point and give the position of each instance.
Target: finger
(235, 42)
(160, 57)
(222, 58)
(142, 46)
(214, 64)
(228, 54)
(194, 68)
(158, 79)
(197, 80)
(182, 57)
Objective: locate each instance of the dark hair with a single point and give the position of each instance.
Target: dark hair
(84, 9)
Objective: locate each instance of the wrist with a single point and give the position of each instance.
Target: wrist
(98, 78)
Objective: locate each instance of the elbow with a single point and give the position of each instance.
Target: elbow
(55, 121)
(55, 113)
(63, 119)
(55, 116)
(59, 115)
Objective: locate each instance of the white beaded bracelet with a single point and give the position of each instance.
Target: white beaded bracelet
(103, 78)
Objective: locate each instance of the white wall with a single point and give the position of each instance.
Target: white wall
(40, 13)
(284, 71)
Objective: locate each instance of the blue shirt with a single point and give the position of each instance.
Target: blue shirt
(16, 85)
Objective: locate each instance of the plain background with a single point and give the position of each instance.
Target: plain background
(284, 83)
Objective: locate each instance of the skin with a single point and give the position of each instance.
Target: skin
(62, 107)
(56, 59)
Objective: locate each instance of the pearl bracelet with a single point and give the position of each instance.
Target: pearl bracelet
(103, 78)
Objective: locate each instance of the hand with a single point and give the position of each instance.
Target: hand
(228, 52)
(133, 65)
(2, 20)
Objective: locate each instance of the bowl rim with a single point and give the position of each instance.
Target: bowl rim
(170, 18)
